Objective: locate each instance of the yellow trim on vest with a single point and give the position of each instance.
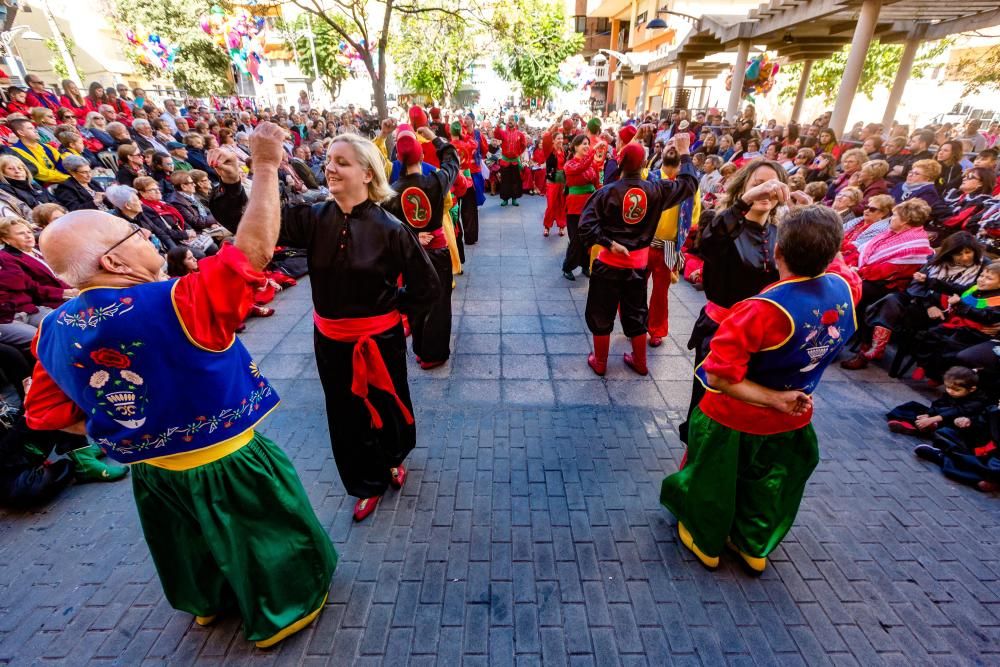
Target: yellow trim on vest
(787, 314)
(203, 456)
(698, 377)
(180, 320)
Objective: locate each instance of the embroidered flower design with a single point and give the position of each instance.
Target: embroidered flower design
(99, 379)
(110, 358)
(134, 378)
(829, 317)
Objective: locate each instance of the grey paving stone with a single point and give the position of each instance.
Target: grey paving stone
(530, 529)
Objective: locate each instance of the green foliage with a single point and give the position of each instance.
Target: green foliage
(879, 70)
(327, 43)
(201, 68)
(534, 41)
(57, 63)
(435, 51)
(979, 72)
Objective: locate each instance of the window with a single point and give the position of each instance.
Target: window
(279, 89)
(581, 24)
(641, 19)
(603, 26)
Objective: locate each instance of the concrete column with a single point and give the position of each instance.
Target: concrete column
(620, 94)
(800, 97)
(643, 92)
(739, 73)
(899, 85)
(863, 33)
(682, 66)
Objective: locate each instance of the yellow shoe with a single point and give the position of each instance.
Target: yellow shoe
(711, 562)
(758, 565)
(205, 620)
(300, 624)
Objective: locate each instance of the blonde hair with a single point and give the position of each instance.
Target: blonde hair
(11, 159)
(370, 159)
(37, 114)
(915, 212)
(877, 168)
(858, 153)
(883, 203)
(850, 191)
(930, 167)
(7, 223)
(42, 214)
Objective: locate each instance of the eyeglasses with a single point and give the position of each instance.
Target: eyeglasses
(136, 229)
(971, 177)
(873, 209)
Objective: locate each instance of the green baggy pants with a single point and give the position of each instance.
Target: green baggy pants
(741, 486)
(237, 532)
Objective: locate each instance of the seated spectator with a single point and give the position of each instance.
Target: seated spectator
(44, 162)
(968, 455)
(17, 182)
(71, 143)
(161, 131)
(44, 215)
(196, 214)
(142, 131)
(171, 218)
(873, 148)
(162, 168)
(74, 101)
(131, 164)
(968, 318)
(95, 125)
(123, 113)
(78, 192)
(803, 159)
(204, 190)
(227, 142)
(851, 162)
(949, 156)
(919, 184)
(179, 154)
(827, 143)
(127, 205)
(871, 179)
(95, 98)
(119, 134)
(823, 168)
(196, 155)
(954, 268)
(180, 262)
(45, 123)
(38, 95)
(961, 405)
(898, 159)
(23, 301)
(966, 201)
(816, 190)
(16, 101)
(845, 202)
(301, 167)
(18, 239)
(972, 134)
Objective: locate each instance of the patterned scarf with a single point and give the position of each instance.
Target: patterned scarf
(955, 273)
(909, 246)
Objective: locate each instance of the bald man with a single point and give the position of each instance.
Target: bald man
(151, 370)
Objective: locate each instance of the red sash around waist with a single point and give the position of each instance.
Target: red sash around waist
(439, 241)
(716, 312)
(369, 367)
(636, 259)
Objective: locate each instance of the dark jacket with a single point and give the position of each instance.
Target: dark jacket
(199, 160)
(71, 194)
(435, 187)
(192, 217)
(738, 254)
(30, 192)
(126, 176)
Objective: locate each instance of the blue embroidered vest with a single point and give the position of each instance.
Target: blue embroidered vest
(124, 357)
(822, 316)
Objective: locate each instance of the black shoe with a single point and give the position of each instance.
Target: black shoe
(568, 275)
(929, 453)
(585, 273)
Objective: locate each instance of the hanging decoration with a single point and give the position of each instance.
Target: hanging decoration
(241, 35)
(151, 49)
(759, 77)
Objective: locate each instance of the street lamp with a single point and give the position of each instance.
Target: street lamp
(659, 24)
(9, 50)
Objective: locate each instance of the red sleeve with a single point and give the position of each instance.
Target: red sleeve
(840, 267)
(752, 325)
(212, 302)
(46, 407)
(887, 271)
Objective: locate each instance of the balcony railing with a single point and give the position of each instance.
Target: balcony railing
(601, 73)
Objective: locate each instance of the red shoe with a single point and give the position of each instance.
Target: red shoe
(397, 477)
(364, 507)
(427, 365)
(655, 341)
(406, 330)
(260, 311)
(988, 487)
(630, 362)
(546, 232)
(855, 363)
(919, 374)
(597, 367)
(906, 428)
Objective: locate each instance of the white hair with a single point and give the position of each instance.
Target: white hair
(119, 195)
(140, 123)
(115, 127)
(105, 107)
(74, 162)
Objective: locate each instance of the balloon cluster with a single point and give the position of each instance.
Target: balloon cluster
(759, 77)
(151, 49)
(241, 35)
(349, 57)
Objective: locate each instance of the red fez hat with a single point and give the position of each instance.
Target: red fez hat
(627, 133)
(567, 124)
(631, 159)
(408, 149)
(417, 117)
(435, 113)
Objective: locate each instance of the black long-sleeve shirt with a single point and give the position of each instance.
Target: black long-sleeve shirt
(602, 220)
(738, 254)
(435, 187)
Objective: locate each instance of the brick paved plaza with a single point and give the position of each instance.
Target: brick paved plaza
(530, 529)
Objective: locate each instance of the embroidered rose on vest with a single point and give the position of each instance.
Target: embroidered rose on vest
(110, 358)
(829, 317)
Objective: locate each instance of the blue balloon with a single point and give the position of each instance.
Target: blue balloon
(154, 38)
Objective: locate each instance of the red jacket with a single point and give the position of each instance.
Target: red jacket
(79, 111)
(19, 293)
(579, 172)
(512, 144)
